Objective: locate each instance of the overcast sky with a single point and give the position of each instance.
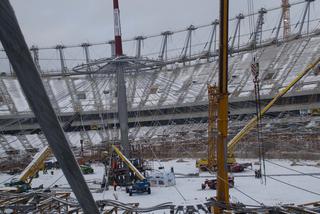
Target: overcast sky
(48, 22)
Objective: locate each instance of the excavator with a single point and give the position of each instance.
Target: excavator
(209, 162)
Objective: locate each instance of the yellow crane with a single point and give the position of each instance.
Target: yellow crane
(36, 165)
(253, 122)
(24, 180)
(128, 163)
(212, 125)
(210, 162)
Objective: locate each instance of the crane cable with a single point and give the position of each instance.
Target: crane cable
(256, 81)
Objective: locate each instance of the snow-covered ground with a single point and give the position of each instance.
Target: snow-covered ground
(188, 190)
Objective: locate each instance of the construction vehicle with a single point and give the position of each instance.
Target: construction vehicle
(86, 169)
(18, 186)
(203, 163)
(236, 167)
(138, 186)
(253, 122)
(210, 163)
(232, 165)
(212, 183)
(23, 183)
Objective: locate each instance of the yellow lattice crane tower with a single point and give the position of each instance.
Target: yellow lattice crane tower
(212, 125)
(286, 18)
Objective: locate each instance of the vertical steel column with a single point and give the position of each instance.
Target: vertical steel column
(238, 17)
(222, 174)
(19, 55)
(35, 52)
(188, 43)
(85, 47)
(257, 34)
(212, 36)
(112, 48)
(121, 84)
(304, 16)
(276, 38)
(61, 57)
(122, 109)
(139, 40)
(164, 45)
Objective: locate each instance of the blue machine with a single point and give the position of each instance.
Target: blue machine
(139, 187)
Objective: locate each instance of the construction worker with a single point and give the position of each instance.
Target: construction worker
(114, 185)
(257, 173)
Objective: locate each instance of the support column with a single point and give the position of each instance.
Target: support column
(112, 48)
(35, 52)
(257, 34)
(239, 18)
(62, 60)
(85, 47)
(139, 40)
(213, 38)
(121, 84)
(188, 43)
(276, 38)
(304, 17)
(122, 109)
(164, 45)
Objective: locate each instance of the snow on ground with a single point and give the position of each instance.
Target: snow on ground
(188, 190)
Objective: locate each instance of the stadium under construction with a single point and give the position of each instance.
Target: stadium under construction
(236, 104)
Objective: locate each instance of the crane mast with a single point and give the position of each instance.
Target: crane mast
(286, 18)
(212, 125)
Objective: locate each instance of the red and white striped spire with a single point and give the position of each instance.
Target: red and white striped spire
(117, 28)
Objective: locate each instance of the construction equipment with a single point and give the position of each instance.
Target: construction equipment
(128, 163)
(17, 185)
(252, 123)
(139, 186)
(23, 183)
(210, 163)
(35, 166)
(202, 164)
(213, 98)
(212, 183)
(86, 169)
